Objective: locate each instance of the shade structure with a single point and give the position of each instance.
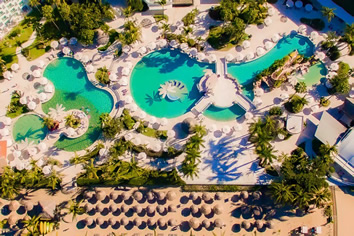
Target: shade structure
(100, 195)
(4, 132)
(218, 196)
(124, 208)
(43, 81)
(7, 121)
(334, 66)
(246, 44)
(151, 222)
(32, 151)
(48, 88)
(138, 209)
(205, 209)
(28, 205)
(90, 68)
(14, 205)
(259, 224)
(141, 156)
(314, 34)
(20, 166)
(308, 7)
(138, 196)
(66, 50)
(298, 4)
(302, 29)
(160, 209)
(142, 114)
(123, 81)
(125, 71)
(142, 50)
(193, 52)
(173, 43)
(194, 209)
(88, 207)
(268, 45)
(193, 196)
(150, 196)
(258, 92)
(171, 133)
(161, 195)
(183, 46)
(54, 44)
(268, 21)
(270, 224)
(37, 73)
(151, 46)
(172, 208)
(152, 120)
(284, 96)
(290, 3)
(85, 59)
(112, 221)
(173, 222)
(163, 121)
(246, 224)
(156, 147)
(219, 223)
(248, 115)
(113, 77)
(237, 127)
(171, 195)
(126, 49)
(226, 129)
(194, 223)
(63, 41)
(212, 57)
(100, 220)
(128, 137)
(89, 221)
(250, 56)
(42, 97)
(244, 195)
(161, 222)
(229, 57)
(320, 55)
(331, 74)
(271, 11)
(100, 207)
(218, 209)
(15, 67)
(113, 207)
(257, 101)
(31, 105)
(128, 99)
(124, 221)
(201, 56)
(275, 38)
(239, 57)
(12, 219)
(7, 75)
(114, 195)
(150, 209)
(260, 51)
(23, 100)
(161, 43)
(310, 99)
(137, 222)
(125, 196)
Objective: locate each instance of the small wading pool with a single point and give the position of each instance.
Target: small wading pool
(29, 127)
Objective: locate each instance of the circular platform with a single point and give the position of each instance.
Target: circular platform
(224, 93)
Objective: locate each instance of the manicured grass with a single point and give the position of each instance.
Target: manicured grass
(36, 49)
(347, 5)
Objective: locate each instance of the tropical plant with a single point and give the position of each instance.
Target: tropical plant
(189, 19)
(328, 13)
(300, 87)
(50, 123)
(282, 192)
(75, 208)
(72, 121)
(275, 111)
(130, 34)
(48, 13)
(32, 225)
(91, 170)
(266, 154)
(9, 187)
(53, 180)
(162, 3)
(190, 169)
(296, 104)
(102, 75)
(110, 126)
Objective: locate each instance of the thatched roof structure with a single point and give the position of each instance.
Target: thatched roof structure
(14, 205)
(194, 209)
(124, 221)
(113, 207)
(205, 209)
(206, 223)
(219, 223)
(171, 195)
(194, 223)
(218, 196)
(138, 196)
(114, 195)
(137, 222)
(172, 208)
(150, 196)
(150, 209)
(218, 209)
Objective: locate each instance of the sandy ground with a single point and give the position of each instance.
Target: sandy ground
(345, 210)
(285, 221)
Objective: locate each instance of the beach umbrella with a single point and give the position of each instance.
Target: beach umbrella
(321, 55)
(161, 43)
(137, 141)
(260, 51)
(173, 43)
(194, 209)
(268, 21)
(151, 222)
(298, 4)
(100, 220)
(270, 224)
(151, 46)
(150, 209)
(164, 121)
(129, 64)
(258, 92)
(142, 50)
(125, 71)
(124, 208)
(124, 221)
(239, 57)
(259, 224)
(113, 77)
(183, 46)
(63, 41)
(150, 196)
(7, 121)
(229, 57)
(218, 209)
(212, 57)
(14, 205)
(152, 120)
(48, 88)
(125, 196)
(138, 209)
(128, 137)
(171, 195)
(193, 196)
(244, 195)
(90, 68)
(41, 64)
(128, 99)
(218, 196)
(173, 222)
(4, 132)
(54, 44)
(314, 34)
(85, 59)
(73, 41)
(20, 166)
(160, 209)
(246, 44)
(89, 221)
(142, 156)
(88, 207)
(126, 49)
(205, 209)
(15, 67)
(172, 208)
(271, 11)
(32, 151)
(142, 114)
(226, 129)
(250, 56)
(66, 50)
(70, 131)
(102, 152)
(31, 105)
(138, 196)
(194, 223)
(78, 56)
(112, 221)
(100, 207)
(8, 75)
(245, 224)
(156, 148)
(16, 153)
(206, 223)
(42, 97)
(113, 207)
(100, 195)
(284, 96)
(257, 101)
(193, 52)
(275, 38)
(334, 66)
(219, 223)
(12, 219)
(302, 29)
(161, 222)
(37, 73)
(268, 45)
(289, 3)
(308, 7)
(123, 81)
(310, 99)
(331, 74)
(171, 133)
(137, 222)
(43, 81)
(201, 56)
(248, 115)
(23, 100)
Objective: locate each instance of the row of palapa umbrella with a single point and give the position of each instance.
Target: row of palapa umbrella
(13, 206)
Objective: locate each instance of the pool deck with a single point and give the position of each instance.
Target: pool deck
(236, 166)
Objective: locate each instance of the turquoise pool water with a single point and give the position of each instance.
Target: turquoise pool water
(75, 91)
(159, 67)
(314, 75)
(30, 127)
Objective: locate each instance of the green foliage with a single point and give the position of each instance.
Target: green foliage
(189, 19)
(333, 53)
(272, 68)
(15, 108)
(275, 111)
(113, 36)
(130, 34)
(316, 23)
(300, 87)
(295, 104)
(72, 121)
(340, 84)
(328, 13)
(50, 123)
(349, 37)
(110, 126)
(102, 75)
(136, 5)
(210, 188)
(158, 18)
(75, 208)
(127, 120)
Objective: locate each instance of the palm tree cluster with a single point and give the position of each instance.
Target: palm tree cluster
(72, 121)
(50, 123)
(11, 181)
(110, 126)
(190, 163)
(131, 33)
(303, 180)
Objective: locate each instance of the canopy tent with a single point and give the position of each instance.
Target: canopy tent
(294, 124)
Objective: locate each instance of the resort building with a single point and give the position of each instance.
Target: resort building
(11, 12)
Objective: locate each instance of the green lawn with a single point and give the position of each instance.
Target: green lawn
(38, 48)
(347, 5)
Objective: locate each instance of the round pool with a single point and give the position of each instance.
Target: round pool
(30, 127)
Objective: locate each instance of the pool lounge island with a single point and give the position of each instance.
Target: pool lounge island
(142, 118)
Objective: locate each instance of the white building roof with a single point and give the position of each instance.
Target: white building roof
(346, 148)
(329, 129)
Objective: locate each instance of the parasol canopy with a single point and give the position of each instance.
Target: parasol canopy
(246, 44)
(308, 7)
(229, 57)
(268, 45)
(15, 67)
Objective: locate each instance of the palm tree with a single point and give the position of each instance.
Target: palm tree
(190, 169)
(328, 13)
(53, 180)
(165, 28)
(9, 187)
(192, 154)
(321, 196)
(50, 123)
(328, 150)
(91, 170)
(48, 13)
(349, 33)
(302, 198)
(300, 87)
(32, 225)
(282, 192)
(265, 154)
(127, 12)
(199, 129)
(75, 208)
(34, 3)
(162, 3)
(195, 142)
(133, 167)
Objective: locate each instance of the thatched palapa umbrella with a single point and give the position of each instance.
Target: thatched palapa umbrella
(14, 205)
(206, 223)
(100, 221)
(138, 196)
(114, 195)
(124, 208)
(89, 221)
(218, 209)
(124, 221)
(256, 195)
(161, 196)
(150, 209)
(151, 222)
(218, 196)
(160, 209)
(150, 196)
(245, 224)
(172, 208)
(257, 211)
(206, 197)
(137, 222)
(113, 207)
(161, 222)
(112, 221)
(205, 209)
(259, 224)
(171, 195)
(193, 196)
(194, 223)
(244, 195)
(270, 224)
(173, 222)
(194, 209)
(219, 223)
(12, 220)
(100, 207)
(138, 209)
(100, 195)
(125, 196)
(88, 207)
(88, 195)
(28, 205)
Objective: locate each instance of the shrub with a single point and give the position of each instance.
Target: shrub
(317, 23)
(136, 5)
(333, 53)
(15, 33)
(102, 75)
(215, 13)
(272, 1)
(128, 121)
(296, 104)
(276, 111)
(191, 42)
(110, 126)
(278, 83)
(25, 52)
(189, 19)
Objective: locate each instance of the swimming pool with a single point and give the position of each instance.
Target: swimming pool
(75, 91)
(314, 75)
(159, 67)
(30, 127)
